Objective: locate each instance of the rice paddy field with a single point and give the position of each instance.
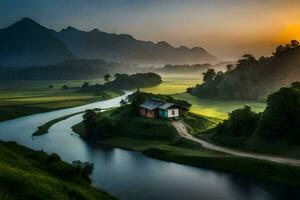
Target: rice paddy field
(176, 86)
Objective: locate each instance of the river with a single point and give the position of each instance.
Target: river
(131, 175)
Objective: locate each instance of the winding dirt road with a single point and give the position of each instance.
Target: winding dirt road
(181, 129)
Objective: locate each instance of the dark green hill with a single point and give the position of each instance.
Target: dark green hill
(26, 174)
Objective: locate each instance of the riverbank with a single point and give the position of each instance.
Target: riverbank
(158, 139)
(43, 129)
(29, 174)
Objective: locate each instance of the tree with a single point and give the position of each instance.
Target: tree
(229, 68)
(295, 44)
(107, 77)
(50, 86)
(296, 85)
(117, 75)
(209, 75)
(65, 87)
(241, 122)
(85, 85)
(281, 118)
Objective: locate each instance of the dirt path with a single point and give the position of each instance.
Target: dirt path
(181, 129)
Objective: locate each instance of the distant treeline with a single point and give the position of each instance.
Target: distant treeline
(71, 69)
(252, 78)
(184, 68)
(125, 82)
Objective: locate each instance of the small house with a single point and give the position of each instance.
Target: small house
(155, 108)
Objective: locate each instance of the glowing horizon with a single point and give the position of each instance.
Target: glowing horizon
(227, 29)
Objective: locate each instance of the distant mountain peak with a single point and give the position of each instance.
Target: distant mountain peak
(198, 49)
(69, 28)
(27, 43)
(95, 30)
(164, 44)
(26, 22)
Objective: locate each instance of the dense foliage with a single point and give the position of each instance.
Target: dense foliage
(184, 68)
(252, 78)
(98, 127)
(125, 82)
(28, 174)
(279, 121)
(241, 122)
(139, 80)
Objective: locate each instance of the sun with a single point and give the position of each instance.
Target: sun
(291, 31)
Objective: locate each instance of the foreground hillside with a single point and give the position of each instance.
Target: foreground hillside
(28, 174)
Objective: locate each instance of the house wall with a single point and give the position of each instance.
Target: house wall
(151, 113)
(163, 113)
(148, 113)
(173, 112)
(169, 113)
(142, 111)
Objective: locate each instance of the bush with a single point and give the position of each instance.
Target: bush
(241, 122)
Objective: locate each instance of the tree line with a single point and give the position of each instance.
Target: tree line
(252, 78)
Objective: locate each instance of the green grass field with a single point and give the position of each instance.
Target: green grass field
(217, 109)
(28, 174)
(173, 85)
(176, 86)
(19, 98)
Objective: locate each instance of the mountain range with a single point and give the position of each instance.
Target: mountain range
(27, 43)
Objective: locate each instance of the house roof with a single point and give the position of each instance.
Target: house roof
(152, 104)
(166, 105)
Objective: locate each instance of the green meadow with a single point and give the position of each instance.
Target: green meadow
(176, 86)
(173, 85)
(217, 109)
(20, 98)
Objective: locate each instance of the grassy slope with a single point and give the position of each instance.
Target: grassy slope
(28, 174)
(173, 85)
(218, 109)
(20, 99)
(156, 138)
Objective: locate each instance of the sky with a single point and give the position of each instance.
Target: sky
(226, 28)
